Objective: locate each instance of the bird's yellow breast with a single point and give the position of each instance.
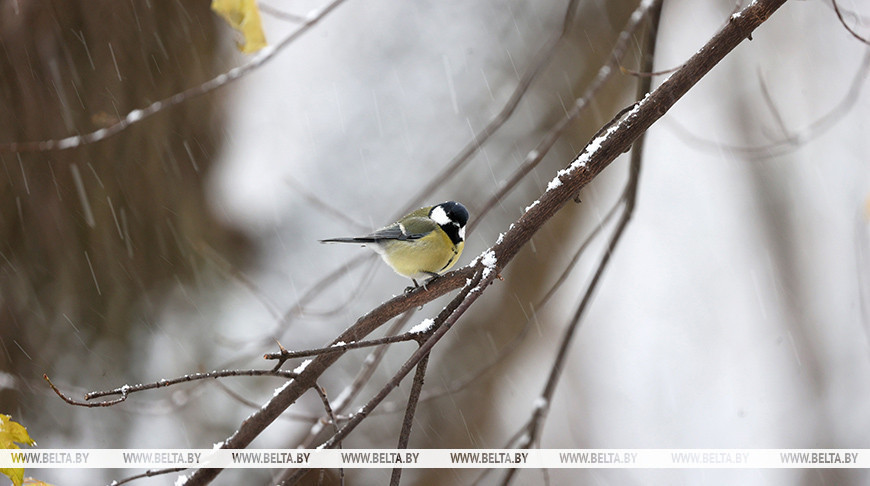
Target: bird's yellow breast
(432, 254)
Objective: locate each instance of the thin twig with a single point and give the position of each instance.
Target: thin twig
(642, 74)
(410, 410)
(843, 21)
(340, 306)
(536, 155)
(298, 308)
(324, 205)
(771, 105)
(799, 137)
(298, 417)
(283, 355)
(126, 390)
(281, 14)
(328, 408)
(73, 401)
(479, 138)
(228, 269)
(136, 116)
(542, 404)
(148, 474)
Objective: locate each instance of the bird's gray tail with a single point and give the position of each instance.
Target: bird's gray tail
(358, 239)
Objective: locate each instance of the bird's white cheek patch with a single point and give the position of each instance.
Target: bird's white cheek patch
(462, 232)
(439, 215)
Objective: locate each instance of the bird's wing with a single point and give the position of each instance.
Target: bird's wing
(392, 232)
(410, 229)
(417, 227)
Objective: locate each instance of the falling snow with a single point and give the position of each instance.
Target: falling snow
(83, 196)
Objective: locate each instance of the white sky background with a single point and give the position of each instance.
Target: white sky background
(731, 315)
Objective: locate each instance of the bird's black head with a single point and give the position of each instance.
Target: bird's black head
(451, 216)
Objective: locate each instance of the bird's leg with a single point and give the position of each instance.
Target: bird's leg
(432, 276)
(416, 285)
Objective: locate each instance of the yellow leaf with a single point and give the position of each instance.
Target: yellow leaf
(12, 434)
(16, 474)
(243, 16)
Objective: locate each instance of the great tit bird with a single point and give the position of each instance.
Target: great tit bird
(424, 243)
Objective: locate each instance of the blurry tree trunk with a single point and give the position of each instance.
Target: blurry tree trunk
(88, 233)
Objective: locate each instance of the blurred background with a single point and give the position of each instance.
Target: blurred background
(734, 312)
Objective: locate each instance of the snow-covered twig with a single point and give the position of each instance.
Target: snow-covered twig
(124, 391)
(137, 115)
